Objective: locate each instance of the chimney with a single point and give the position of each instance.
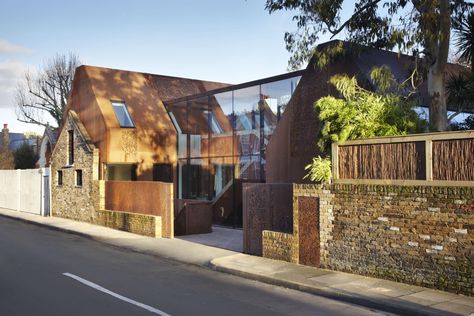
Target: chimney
(6, 137)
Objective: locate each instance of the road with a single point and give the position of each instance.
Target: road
(46, 272)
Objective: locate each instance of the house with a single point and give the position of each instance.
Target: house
(206, 138)
(48, 141)
(6, 155)
(13, 141)
(116, 128)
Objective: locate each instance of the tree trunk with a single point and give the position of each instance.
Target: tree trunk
(437, 47)
(437, 99)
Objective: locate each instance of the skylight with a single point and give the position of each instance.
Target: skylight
(122, 114)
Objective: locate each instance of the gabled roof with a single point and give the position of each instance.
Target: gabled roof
(51, 135)
(142, 93)
(167, 87)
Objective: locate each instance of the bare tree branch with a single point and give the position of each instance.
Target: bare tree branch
(46, 93)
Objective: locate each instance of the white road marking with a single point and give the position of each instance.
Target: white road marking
(120, 297)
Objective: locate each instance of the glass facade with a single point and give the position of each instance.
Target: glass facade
(222, 138)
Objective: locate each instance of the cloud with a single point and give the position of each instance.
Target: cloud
(11, 72)
(9, 48)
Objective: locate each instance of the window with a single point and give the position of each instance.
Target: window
(122, 114)
(70, 140)
(175, 123)
(162, 172)
(122, 172)
(213, 123)
(79, 178)
(60, 177)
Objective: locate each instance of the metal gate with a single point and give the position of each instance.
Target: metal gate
(46, 195)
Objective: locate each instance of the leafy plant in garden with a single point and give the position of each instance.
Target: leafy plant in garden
(361, 113)
(319, 170)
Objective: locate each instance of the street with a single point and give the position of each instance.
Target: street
(45, 272)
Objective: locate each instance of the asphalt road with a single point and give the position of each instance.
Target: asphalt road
(45, 272)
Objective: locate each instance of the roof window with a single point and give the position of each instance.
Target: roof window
(122, 114)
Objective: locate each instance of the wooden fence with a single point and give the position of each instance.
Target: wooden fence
(446, 157)
(143, 197)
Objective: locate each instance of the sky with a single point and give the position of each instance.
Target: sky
(231, 41)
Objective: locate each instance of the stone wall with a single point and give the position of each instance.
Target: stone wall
(422, 235)
(69, 200)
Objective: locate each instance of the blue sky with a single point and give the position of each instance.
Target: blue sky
(230, 41)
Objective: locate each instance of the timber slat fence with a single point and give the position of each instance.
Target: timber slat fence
(411, 159)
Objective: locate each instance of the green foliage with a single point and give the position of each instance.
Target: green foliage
(463, 26)
(362, 114)
(460, 89)
(25, 157)
(319, 170)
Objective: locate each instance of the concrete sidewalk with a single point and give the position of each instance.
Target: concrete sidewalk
(369, 292)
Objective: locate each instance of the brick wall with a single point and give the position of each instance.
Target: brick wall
(279, 246)
(422, 235)
(141, 224)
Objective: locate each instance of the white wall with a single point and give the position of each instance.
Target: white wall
(23, 190)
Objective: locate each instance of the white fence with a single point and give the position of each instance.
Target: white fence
(25, 190)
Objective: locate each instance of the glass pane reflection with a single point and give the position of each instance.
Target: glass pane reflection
(222, 139)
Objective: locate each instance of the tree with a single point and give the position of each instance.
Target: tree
(463, 26)
(47, 91)
(460, 89)
(25, 157)
(419, 26)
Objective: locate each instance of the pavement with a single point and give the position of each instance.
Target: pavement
(382, 295)
(221, 237)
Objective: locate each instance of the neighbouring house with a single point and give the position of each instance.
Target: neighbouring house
(7, 161)
(10, 142)
(48, 141)
(205, 139)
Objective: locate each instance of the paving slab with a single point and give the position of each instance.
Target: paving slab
(221, 237)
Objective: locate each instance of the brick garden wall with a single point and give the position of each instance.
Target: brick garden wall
(279, 246)
(422, 235)
(141, 224)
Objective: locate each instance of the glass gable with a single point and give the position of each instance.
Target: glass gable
(222, 138)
